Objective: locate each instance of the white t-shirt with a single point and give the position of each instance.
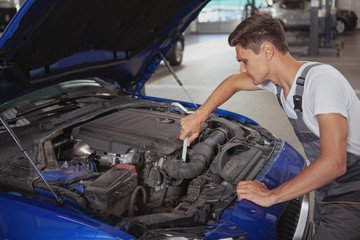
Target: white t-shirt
(325, 91)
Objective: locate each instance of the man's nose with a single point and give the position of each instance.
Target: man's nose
(242, 68)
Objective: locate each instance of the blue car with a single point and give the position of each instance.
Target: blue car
(85, 155)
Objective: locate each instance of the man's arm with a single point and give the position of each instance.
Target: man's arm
(191, 124)
(330, 164)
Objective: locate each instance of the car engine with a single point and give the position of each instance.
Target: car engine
(129, 164)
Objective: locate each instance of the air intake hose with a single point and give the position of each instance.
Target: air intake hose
(201, 156)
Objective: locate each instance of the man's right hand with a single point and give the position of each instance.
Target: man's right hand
(191, 126)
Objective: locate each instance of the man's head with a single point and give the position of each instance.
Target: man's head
(254, 31)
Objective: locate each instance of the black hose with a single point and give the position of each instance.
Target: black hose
(131, 209)
(201, 156)
(158, 197)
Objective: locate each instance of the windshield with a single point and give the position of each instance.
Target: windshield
(53, 100)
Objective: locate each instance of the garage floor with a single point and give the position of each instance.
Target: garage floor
(208, 60)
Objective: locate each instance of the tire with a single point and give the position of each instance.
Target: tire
(176, 54)
(340, 26)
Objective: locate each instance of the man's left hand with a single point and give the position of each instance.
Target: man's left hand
(254, 191)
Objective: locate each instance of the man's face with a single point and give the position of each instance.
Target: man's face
(254, 65)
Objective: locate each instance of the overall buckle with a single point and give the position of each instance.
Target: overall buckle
(297, 102)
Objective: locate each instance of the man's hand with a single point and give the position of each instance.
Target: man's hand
(330, 164)
(190, 125)
(254, 191)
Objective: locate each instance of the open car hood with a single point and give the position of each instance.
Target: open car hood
(51, 41)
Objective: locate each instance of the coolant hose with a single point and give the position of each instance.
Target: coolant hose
(201, 156)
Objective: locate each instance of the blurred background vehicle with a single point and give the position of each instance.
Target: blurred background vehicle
(346, 20)
(7, 11)
(175, 55)
(295, 15)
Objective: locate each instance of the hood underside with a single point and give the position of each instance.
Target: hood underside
(49, 40)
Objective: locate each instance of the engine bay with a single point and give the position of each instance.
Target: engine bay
(129, 164)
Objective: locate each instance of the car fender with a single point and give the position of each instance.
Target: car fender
(20, 216)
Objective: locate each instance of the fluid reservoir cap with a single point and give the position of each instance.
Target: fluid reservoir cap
(129, 167)
(165, 120)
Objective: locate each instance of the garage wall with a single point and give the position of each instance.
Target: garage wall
(350, 4)
(345, 4)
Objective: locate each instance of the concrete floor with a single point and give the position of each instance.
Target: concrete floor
(208, 60)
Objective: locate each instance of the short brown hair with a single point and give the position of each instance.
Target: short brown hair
(257, 29)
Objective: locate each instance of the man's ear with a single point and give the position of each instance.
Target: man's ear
(268, 49)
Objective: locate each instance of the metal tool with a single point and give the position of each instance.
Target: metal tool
(184, 151)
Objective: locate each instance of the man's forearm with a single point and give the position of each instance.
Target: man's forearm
(330, 164)
(316, 175)
(191, 124)
(225, 90)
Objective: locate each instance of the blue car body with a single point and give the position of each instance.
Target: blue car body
(39, 220)
(49, 51)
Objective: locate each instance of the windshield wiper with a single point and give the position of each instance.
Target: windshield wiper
(41, 115)
(59, 200)
(62, 100)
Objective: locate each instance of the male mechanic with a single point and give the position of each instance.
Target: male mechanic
(324, 111)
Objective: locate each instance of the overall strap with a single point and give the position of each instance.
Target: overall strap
(297, 98)
(300, 82)
(278, 89)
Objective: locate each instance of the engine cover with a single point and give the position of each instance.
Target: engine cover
(133, 128)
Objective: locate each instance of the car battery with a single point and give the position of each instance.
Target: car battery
(113, 186)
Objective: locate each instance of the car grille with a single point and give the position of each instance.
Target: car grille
(288, 220)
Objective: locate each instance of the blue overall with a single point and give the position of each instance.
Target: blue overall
(337, 204)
